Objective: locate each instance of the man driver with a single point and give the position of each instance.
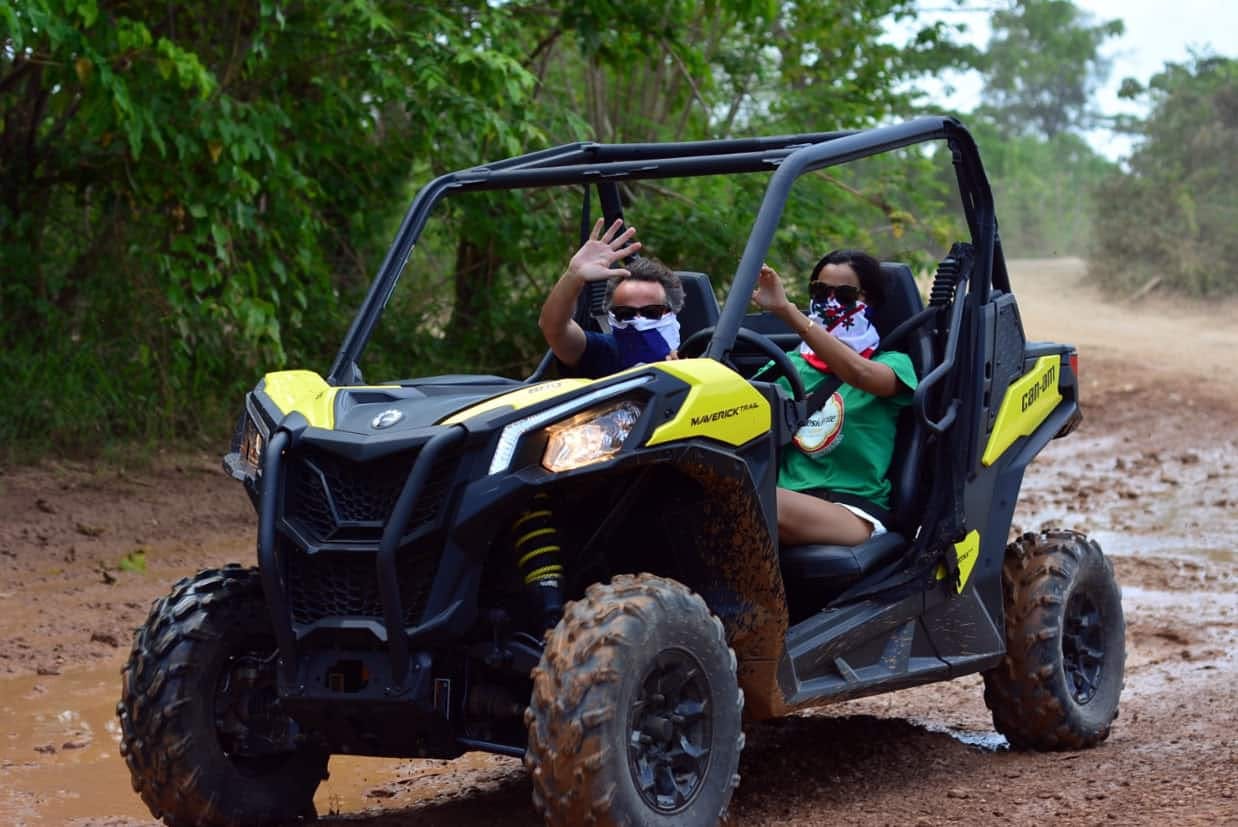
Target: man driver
(641, 303)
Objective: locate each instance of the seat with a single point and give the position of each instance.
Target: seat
(700, 305)
(815, 574)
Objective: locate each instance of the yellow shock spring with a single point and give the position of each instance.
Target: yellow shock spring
(538, 553)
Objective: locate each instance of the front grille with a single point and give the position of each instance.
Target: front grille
(346, 585)
(333, 499)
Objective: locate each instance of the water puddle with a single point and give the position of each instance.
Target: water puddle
(60, 759)
(986, 741)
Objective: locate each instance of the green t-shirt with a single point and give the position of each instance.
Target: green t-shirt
(847, 445)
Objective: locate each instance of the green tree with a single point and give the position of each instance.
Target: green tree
(1170, 217)
(674, 70)
(188, 189)
(1042, 66)
(193, 194)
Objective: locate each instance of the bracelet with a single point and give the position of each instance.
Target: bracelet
(810, 324)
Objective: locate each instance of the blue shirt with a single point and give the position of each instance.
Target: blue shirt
(601, 357)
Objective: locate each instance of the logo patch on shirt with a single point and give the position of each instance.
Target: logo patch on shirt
(823, 430)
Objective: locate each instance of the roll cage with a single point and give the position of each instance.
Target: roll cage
(788, 157)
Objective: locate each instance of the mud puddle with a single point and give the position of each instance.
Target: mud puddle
(60, 758)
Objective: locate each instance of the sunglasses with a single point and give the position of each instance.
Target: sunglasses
(845, 293)
(624, 313)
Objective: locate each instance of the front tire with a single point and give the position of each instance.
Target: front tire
(1059, 683)
(200, 720)
(636, 711)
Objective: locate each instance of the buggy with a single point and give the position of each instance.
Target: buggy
(389, 613)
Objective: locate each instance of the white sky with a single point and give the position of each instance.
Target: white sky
(1156, 31)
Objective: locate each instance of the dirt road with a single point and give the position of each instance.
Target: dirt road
(1152, 474)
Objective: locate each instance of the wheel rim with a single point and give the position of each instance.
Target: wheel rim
(670, 731)
(1083, 646)
(253, 731)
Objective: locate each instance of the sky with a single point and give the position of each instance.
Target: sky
(1156, 31)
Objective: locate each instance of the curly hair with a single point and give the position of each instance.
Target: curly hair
(650, 269)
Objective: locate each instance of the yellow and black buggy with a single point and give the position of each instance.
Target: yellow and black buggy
(389, 612)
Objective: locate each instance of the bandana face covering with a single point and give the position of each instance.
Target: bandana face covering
(642, 340)
(850, 325)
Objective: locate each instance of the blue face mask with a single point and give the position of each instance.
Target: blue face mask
(642, 340)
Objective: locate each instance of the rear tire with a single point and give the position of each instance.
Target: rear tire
(636, 711)
(197, 642)
(1059, 683)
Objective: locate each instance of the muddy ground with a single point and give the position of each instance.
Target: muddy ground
(1152, 474)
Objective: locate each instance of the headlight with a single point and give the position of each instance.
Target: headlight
(244, 458)
(515, 431)
(592, 436)
(252, 443)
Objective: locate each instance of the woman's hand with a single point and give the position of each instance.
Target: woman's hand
(593, 260)
(770, 294)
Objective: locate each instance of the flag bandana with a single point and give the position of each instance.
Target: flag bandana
(642, 340)
(850, 325)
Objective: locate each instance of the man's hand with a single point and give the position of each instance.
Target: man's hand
(593, 260)
(770, 294)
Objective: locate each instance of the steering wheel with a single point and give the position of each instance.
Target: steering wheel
(695, 344)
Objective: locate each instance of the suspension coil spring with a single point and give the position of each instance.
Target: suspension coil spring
(947, 278)
(539, 557)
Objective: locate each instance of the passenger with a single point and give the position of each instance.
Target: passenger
(642, 301)
(832, 486)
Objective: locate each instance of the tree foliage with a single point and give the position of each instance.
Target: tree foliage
(192, 194)
(189, 188)
(1171, 216)
(1042, 66)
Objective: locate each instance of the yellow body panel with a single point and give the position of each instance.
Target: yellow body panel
(721, 405)
(519, 399)
(967, 553)
(1028, 401)
(303, 391)
(308, 394)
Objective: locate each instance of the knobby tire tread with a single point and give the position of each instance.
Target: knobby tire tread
(1027, 696)
(575, 688)
(162, 680)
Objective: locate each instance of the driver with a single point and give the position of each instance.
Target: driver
(642, 301)
(832, 486)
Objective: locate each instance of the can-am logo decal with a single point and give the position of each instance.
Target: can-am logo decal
(725, 413)
(386, 419)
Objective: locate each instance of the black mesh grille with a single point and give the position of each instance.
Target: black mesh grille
(346, 585)
(332, 499)
(313, 511)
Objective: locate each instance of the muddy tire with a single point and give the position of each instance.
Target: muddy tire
(636, 711)
(178, 720)
(1059, 683)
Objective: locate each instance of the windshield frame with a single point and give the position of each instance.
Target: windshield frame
(788, 157)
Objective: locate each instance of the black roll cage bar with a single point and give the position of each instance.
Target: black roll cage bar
(787, 157)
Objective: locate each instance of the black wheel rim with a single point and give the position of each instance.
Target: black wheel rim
(253, 731)
(1083, 646)
(670, 731)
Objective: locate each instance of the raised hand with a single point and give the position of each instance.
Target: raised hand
(593, 260)
(770, 294)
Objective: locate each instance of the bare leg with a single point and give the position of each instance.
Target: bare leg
(807, 520)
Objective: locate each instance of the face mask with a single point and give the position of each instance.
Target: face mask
(848, 324)
(642, 340)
